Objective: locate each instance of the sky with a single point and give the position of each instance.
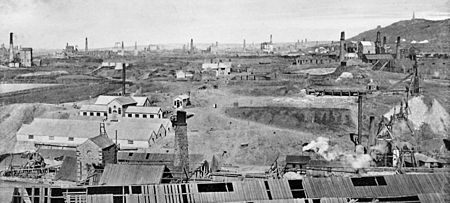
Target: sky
(50, 24)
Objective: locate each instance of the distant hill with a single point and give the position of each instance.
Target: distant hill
(437, 33)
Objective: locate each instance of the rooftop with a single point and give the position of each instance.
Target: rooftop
(124, 174)
(143, 109)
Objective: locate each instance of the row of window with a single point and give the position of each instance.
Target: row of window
(129, 115)
(30, 137)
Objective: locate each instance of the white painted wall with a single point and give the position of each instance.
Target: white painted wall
(56, 140)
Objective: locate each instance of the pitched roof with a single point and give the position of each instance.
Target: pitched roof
(182, 96)
(297, 159)
(143, 109)
(367, 43)
(140, 100)
(195, 160)
(127, 129)
(100, 108)
(102, 141)
(379, 56)
(68, 170)
(124, 174)
(104, 99)
(125, 100)
(56, 153)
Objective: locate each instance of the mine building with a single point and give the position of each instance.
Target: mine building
(95, 152)
(26, 57)
(385, 188)
(182, 101)
(115, 107)
(267, 47)
(220, 68)
(378, 60)
(183, 75)
(125, 174)
(67, 133)
(294, 162)
(366, 47)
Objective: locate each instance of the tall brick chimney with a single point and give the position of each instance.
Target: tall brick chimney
(181, 162)
(397, 48)
(341, 47)
(86, 45)
(271, 38)
(244, 45)
(123, 49)
(124, 75)
(11, 47)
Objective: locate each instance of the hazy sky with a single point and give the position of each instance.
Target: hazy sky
(52, 23)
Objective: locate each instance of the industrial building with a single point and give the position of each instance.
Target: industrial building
(129, 133)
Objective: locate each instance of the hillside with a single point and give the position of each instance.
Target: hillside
(436, 32)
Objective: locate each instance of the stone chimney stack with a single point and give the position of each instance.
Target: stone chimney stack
(397, 48)
(181, 162)
(341, 47)
(86, 45)
(192, 46)
(123, 49)
(378, 44)
(11, 47)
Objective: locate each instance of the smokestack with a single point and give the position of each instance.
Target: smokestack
(359, 118)
(244, 45)
(123, 50)
(378, 44)
(271, 38)
(11, 47)
(181, 162)
(123, 79)
(384, 41)
(397, 49)
(135, 49)
(86, 45)
(416, 88)
(341, 46)
(372, 136)
(217, 44)
(192, 46)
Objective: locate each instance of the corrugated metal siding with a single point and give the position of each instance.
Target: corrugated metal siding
(397, 185)
(100, 198)
(433, 197)
(121, 174)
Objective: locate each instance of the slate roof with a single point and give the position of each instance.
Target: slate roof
(97, 108)
(134, 129)
(123, 174)
(105, 99)
(143, 109)
(102, 141)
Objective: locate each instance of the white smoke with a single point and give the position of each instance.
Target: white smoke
(356, 160)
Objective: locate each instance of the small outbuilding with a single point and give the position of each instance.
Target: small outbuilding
(182, 101)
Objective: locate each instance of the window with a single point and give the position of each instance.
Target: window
(84, 113)
(136, 115)
(130, 141)
(98, 113)
(129, 115)
(269, 194)
(30, 137)
(120, 110)
(215, 187)
(144, 116)
(369, 181)
(91, 113)
(70, 138)
(51, 137)
(109, 110)
(151, 116)
(104, 114)
(297, 188)
(147, 155)
(130, 154)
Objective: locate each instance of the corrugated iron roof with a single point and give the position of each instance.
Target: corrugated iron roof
(68, 170)
(298, 159)
(195, 160)
(123, 174)
(367, 43)
(125, 100)
(104, 99)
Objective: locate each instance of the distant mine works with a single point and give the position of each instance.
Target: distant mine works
(192, 122)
